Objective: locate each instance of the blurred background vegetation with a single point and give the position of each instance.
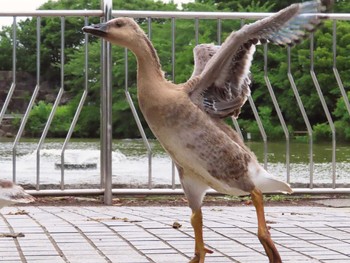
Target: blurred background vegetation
(123, 124)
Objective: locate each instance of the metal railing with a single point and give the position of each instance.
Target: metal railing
(106, 13)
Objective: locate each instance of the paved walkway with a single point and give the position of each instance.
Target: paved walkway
(145, 234)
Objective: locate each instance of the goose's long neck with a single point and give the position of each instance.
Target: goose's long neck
(148, 65)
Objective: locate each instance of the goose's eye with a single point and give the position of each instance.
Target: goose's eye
(119, 23)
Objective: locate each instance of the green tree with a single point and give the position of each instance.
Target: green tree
(343, 123)
(122, 115)
(38, 117)
(184, 42)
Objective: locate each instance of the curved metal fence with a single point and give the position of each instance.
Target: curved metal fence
(105, 184)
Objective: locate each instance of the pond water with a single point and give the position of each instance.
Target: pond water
(130, 162)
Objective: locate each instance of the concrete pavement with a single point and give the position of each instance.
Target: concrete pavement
(145, 234)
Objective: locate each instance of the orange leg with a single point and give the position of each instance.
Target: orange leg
(200, 249)
(263, 232)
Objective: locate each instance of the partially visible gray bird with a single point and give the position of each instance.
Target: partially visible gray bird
(11, 193)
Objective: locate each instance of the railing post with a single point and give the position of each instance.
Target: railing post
(305, 118)
(325, 107)
(278, 111)
(14, 69)
(106, 111)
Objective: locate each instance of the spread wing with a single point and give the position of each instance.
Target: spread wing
(223, 84)
(202, 54)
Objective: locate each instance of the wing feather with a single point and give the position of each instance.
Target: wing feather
(202, 54)
(224, 73)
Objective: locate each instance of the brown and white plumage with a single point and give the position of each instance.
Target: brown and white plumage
(224, 71)
(11, 193)
(225, 96)
(187, 118)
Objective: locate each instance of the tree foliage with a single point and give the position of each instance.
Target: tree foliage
(161, 36)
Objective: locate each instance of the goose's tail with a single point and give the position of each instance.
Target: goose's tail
(267, 183)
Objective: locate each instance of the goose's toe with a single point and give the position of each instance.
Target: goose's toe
(200, 255)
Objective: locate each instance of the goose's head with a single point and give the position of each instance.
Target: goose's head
(122, 31)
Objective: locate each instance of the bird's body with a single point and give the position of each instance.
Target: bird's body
(203, 146)
(11, 193)
(187, 118)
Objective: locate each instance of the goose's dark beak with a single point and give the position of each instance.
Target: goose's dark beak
(99, 30)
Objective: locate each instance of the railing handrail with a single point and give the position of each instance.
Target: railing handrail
(159, 14)
(52, 13)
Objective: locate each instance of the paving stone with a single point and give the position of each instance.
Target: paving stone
(137, 234)
(10, 259)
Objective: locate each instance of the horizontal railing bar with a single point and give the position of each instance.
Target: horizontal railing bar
(167, 191)
(321, 190)
(58, 192)
(53, 13)
(209, 15)
(160, 14)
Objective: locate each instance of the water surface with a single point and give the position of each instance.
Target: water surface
(130, 162)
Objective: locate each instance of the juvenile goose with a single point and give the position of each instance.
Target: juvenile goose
(11, 193)
(187, 118)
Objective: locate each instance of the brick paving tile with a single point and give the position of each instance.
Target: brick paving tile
(145, 234)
